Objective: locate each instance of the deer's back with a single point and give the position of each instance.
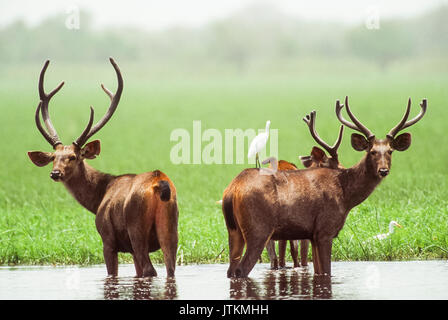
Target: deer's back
(131, 201)
(297, 203)
(136, 185)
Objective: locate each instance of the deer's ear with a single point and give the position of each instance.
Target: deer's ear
(402, 142)
(91, 150)
(40, 159)
(359, 143)
(306, 161)
(318, 155)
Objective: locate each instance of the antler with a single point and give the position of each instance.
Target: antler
(115, 99)
(51, 136)
(404, 123)
(358, 126)
(310, 120)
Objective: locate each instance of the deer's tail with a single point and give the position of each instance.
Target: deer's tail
(163, 189)
(227, 209)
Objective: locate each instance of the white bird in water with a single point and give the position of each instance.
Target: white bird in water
(383, 236)
(258, 144)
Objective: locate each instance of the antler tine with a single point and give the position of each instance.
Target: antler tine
(82, 139)
(310, 120)
(422, 112)
(39, 125)
(108, 92)
(42, 93)
(52, 136)
(307, 119)
(339, 139)
(115, 99)
(339, 107)
(357, 124)
(403, 124)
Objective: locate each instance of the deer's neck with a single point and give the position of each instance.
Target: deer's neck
(359, 182)
(88, 186)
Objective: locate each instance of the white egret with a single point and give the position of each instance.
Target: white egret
(258, 143)
(383, 236)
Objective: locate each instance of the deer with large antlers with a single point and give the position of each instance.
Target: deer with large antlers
(134, 213)
(316, 159)
(307, 204)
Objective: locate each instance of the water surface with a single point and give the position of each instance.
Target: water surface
(350, 280)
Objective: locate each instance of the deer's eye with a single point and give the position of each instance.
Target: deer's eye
(72, 158)
(390, 151)
(373, 153)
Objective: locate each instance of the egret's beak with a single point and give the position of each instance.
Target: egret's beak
(399, 225)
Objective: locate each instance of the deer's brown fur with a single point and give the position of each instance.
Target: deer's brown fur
(316, 159)
(305, 204)
(135, 213)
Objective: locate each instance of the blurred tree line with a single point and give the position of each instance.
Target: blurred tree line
(254, 34)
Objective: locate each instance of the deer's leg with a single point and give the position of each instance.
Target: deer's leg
(270, 247)
(169, 248)
(141, 257)
(236, 247)
(140, 246)
(281, 253)
(106, 231)
(315, 252)
(139, 222)
(138, 267)
(304, 244)
(166, 227)
(254, 247)
(294, 248)
(324, 248)
(111, 259)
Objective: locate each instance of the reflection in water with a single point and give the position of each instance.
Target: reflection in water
(139, 288)
(350, 280)
(282, 284)
(322, 287)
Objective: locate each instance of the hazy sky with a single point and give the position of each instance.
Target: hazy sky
(161, 14)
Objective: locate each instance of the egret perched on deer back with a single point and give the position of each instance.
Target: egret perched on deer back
(258, 143)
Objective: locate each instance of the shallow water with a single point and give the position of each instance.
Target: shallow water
(350, 280)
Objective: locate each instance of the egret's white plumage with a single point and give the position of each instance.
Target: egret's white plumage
(259, 142)
(383, 236)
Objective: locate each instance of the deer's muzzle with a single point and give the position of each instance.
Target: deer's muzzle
(383, 172)
(56, 175)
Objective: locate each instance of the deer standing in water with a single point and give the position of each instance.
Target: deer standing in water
(317, 158)
(134, 213)
(307, 204)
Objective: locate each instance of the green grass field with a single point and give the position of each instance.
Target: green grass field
(40, 223)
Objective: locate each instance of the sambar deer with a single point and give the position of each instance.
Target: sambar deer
(307, 204)
(317, 158)
(134, 213)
